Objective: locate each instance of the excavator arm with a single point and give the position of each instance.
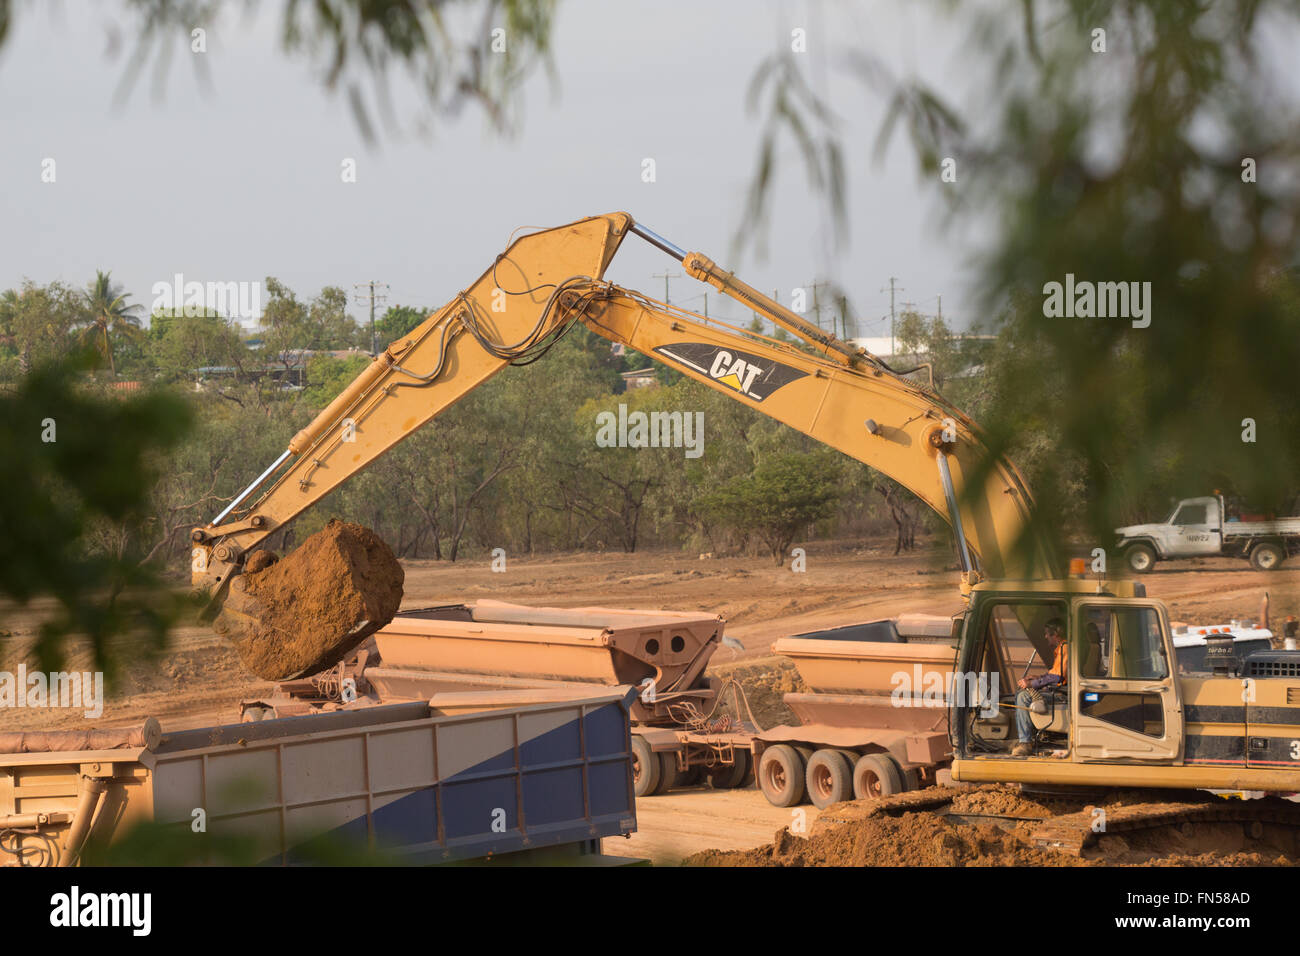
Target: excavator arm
(831, 391)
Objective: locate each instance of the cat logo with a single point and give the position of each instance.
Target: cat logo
(750, 375)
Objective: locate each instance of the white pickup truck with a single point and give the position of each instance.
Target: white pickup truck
(1198, 527)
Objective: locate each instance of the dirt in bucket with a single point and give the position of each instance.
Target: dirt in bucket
(299, 615)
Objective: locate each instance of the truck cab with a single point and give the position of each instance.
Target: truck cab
(1193, 527)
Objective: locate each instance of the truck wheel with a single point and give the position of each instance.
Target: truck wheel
(1266, 556)
(829, 778)
(876, 775)
(780, 776)
(645, 767)
(1141, 558)
(729, 777)
(911, 779)
(670, 778)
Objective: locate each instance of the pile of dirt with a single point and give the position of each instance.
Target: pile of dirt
(915, 829)
(302, 614)
(766, 681)
(910, 839)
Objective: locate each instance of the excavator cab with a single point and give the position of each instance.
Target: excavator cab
(1119, 701)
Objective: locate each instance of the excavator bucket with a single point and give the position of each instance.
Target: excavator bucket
(296, 616)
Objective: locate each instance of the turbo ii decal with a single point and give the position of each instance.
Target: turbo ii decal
(750, 375)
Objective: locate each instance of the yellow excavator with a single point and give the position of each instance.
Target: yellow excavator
(1124, 716)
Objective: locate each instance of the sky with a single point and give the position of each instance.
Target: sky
(238, 178)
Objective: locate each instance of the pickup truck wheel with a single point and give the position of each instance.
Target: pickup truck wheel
(829, 778)
(1266, 557)
(876, 775)
(1141, 558)
(645, 767)
(781, 776)
(670, 778)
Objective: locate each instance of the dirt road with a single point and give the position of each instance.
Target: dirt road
(675, 825)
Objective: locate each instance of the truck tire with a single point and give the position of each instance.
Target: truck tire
(1140, 557)
(781, 776)
(730, 776)
(670, 778)
(829, 778)
(1266, 556)
(645, 767)
(876, 775)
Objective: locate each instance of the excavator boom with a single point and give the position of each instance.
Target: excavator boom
(831, 391)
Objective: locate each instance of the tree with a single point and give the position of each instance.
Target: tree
(1178, 187)
(784, 495)
(108, 314)
(36, 324)
(398, 321)
(74, 459)
(180, 345)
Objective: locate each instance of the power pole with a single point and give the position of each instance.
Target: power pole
(666, 276)
(366, 292)
(817, 306)
(892, 347)
(940, 306)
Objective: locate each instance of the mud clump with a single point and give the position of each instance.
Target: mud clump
(306, 612)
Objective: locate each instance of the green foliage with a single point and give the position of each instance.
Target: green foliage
(1169, 159)
(327, 376)
(782, 497)
(179, 345)
(74, 458)
(398, 321)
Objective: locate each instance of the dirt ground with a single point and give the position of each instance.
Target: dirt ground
(198, 681)
(880, 833)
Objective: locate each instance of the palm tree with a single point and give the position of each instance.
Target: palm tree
(109, 313)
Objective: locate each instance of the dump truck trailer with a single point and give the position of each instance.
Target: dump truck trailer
(874, 721)
(686, 728)
(540, 782)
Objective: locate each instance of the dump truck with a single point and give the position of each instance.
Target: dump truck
(541, 782)
(1207, 526)
(1122, 716)
(685, 727)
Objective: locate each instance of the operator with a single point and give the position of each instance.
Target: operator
(1054, 631)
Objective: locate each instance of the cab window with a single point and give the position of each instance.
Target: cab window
(1122, 643)
(1191, 514)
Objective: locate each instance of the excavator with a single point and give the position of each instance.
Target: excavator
(1123, 716)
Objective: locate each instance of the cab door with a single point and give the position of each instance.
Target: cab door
(1197, 527)
(1124, 693)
